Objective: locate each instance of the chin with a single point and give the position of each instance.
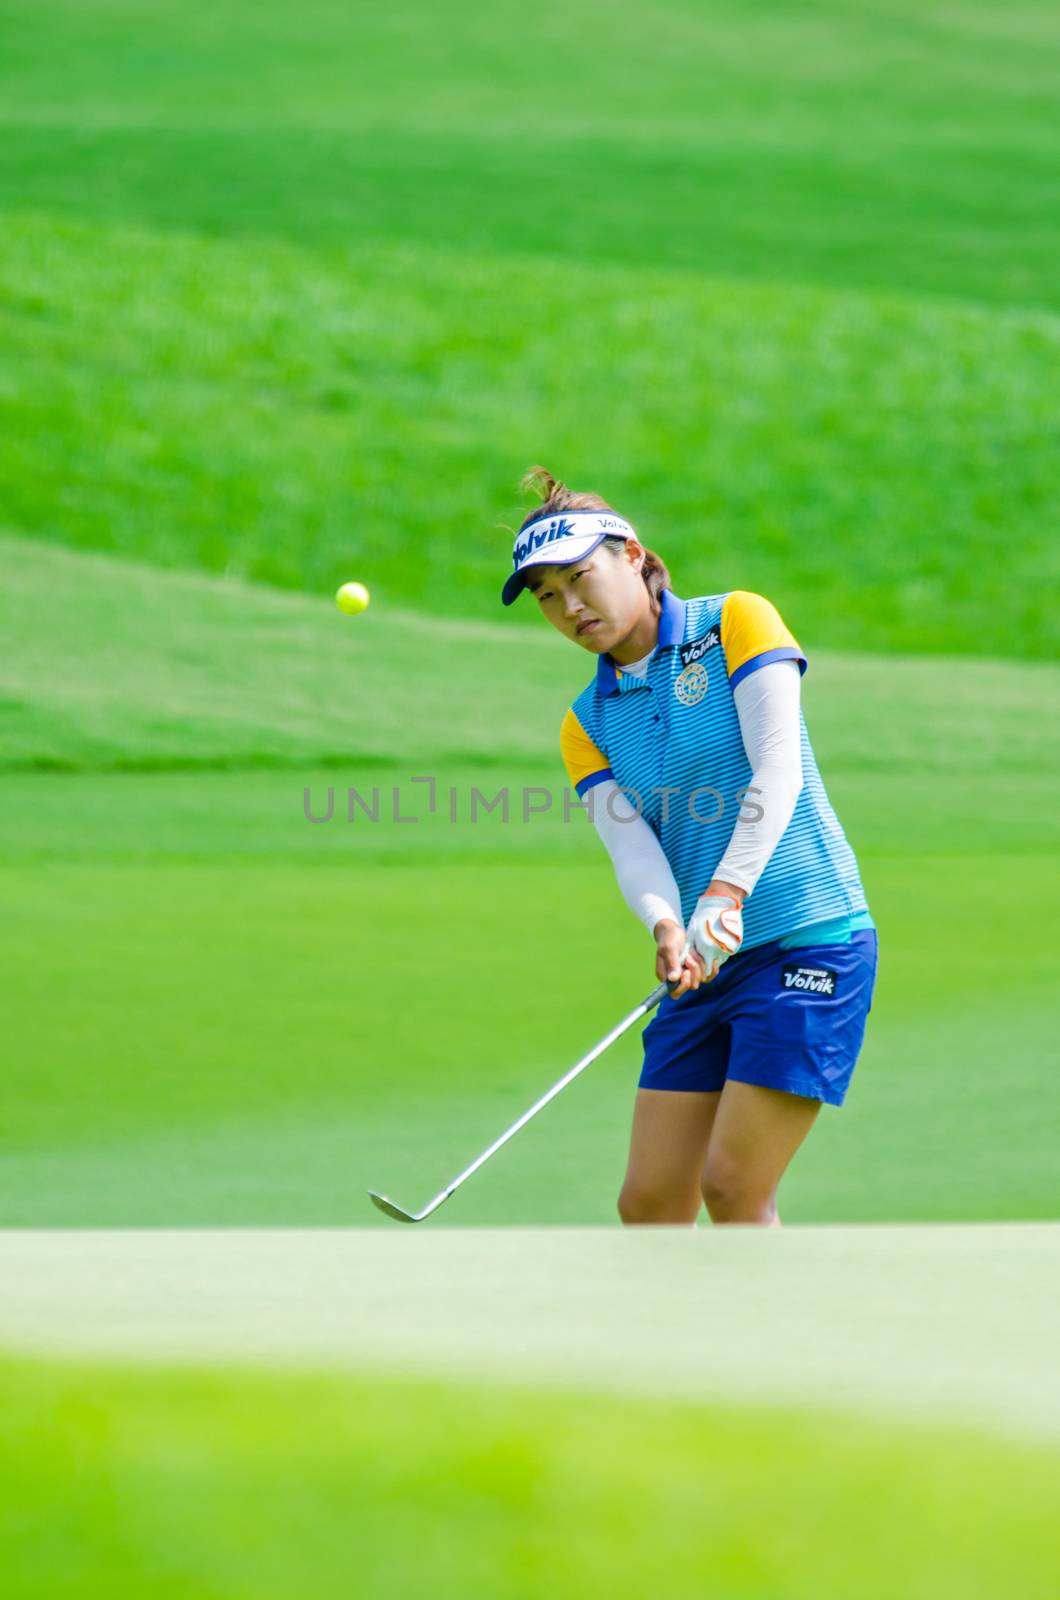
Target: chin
(596, 642)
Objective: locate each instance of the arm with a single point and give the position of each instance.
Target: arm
(767, 704)
(644, 875)
(757, 642)
(643, 872)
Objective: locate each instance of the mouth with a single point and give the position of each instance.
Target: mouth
(588, 627)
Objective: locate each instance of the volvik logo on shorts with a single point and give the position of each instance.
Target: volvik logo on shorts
(812, 980)
(699, 647)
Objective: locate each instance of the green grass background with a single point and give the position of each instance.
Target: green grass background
(297, 294)
(293, 295)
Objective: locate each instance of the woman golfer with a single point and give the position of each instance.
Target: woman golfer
(691, 753)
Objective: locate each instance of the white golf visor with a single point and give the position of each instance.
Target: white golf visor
(560, 539)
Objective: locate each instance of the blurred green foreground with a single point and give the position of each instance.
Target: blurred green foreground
(205, 1483)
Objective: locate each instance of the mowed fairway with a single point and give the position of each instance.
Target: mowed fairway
(290, 296)
(219, 1011)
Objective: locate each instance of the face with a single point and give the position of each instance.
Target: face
(598, 601)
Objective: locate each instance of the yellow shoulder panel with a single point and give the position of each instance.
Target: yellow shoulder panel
(581, 755)
(750, 625)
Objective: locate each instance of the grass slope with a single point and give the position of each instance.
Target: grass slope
(301, 416)
(304, 1487)
(890, 146)
(115, 665)
(245, 1037)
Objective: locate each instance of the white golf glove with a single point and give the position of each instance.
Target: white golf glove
(716, 930)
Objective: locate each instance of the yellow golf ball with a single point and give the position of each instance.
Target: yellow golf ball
(352, 598)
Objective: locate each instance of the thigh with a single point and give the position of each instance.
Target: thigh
(754, 1135)
(671, 1133)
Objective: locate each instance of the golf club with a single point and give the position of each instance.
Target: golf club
(400, 1215)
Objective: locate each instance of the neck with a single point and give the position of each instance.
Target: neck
(642, 637)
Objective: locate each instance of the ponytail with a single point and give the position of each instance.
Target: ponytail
(556, 497)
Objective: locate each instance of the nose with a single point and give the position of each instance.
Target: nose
(572, 605)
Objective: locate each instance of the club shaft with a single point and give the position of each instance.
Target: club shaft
(645, 1006)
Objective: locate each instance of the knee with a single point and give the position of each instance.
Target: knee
(731, 1196)
(636, 1204)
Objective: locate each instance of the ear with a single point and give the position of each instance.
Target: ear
(635, 554)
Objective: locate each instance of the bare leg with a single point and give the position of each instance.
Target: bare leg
(671, 1133)
(755, 1134)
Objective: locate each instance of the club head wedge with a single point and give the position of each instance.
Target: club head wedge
(383, 1204)
(388, 1207)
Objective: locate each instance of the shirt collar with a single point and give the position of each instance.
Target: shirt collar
(671, 631)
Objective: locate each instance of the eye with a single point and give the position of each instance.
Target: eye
(580, 573)
(544, 594)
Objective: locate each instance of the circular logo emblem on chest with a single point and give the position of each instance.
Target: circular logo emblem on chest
(692, 685)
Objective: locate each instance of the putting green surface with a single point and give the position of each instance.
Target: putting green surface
(931, 1322)
(530, 1412)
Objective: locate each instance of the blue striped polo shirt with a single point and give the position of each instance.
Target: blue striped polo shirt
(672, 741)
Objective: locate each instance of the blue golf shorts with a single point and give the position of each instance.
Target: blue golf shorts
(784, 1019)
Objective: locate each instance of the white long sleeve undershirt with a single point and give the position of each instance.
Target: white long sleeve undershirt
(767, 706)
(644, 875)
